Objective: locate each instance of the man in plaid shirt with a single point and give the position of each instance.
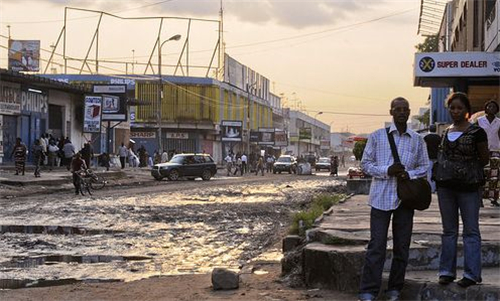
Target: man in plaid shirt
(379, 163)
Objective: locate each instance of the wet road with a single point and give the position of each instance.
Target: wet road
(124, 234)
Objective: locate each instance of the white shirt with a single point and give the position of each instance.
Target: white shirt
(491, 130)
(164, 157)
(123, 151)
(228, 159)
(244, 158)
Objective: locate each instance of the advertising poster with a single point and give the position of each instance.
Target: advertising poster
(254, 136)
(266, 136)
(24, 55)
(231, 130)
(305, 134)
(92, 114)
(280, 138)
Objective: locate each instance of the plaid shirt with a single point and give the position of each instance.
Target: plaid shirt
(377, 158)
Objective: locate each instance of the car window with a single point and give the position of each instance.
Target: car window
(284, 159)
(208, 159)
(324, 160)
(199, 159)
(189, 160)
(177, 159)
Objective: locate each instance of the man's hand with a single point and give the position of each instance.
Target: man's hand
(395, 169)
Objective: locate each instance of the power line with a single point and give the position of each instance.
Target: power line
(55, 21)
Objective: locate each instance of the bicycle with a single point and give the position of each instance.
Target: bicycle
(89, 181)
(97, 182)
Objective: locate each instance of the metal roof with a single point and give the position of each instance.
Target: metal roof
(431, 16)
(41, 82)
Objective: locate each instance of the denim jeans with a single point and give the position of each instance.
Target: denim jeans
(450, 202)
(402, 225)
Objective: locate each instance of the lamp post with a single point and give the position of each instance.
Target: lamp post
(176, 37)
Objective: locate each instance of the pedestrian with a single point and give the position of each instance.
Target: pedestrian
(237, 166)
(491, 125)
(378, 162)
(259, 166)
(269, 163)
(464, 145)
(69, 152)
(123, 152)
(37, 151)
(334, 166)
(43, 144)
(244, 164)
(229, 163)
(342, 161)
(53, 150)
(77, 165)
(432, 141)
(156, 157)
(133, 161)
(19, 154)
(164, 156)
(87, 153)
(143, 156)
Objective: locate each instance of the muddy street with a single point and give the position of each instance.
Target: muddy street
(169, 228)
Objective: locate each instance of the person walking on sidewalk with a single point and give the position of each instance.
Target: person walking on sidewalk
(260, 166)
(464, 146)
(123, 152)
(229, 164)
(77, 165)
(37, 156)
(52, 154)
(19, 154)
(244, 164)
(378, 162)
(68, 152)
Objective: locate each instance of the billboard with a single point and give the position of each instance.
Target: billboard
(254, 136)
(24, 55)
(92, 114)
(305, 134)
(280, 138)
(231, 130)
(266, 136)
(114, 107)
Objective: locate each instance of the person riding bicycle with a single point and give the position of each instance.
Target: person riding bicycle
(77, 165)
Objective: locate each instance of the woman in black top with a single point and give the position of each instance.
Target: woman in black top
(459, 177)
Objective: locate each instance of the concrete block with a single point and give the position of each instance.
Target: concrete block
(359, 186)
(290, 242)
(223, 279)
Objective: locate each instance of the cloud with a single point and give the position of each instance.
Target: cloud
(288, 13)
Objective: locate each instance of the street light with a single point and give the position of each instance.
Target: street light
(176, 37)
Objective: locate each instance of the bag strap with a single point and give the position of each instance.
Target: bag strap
(394, 150)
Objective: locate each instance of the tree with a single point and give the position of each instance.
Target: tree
(425, 118)
(430, 44)
(359, 148)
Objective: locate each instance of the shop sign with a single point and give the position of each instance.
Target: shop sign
(34, 102)
(457, 64)
(231, 130)
(280, 138)
(10, 100)
(266, 136)
(173, 135)
(146, 135)
(92, 114)
(305, 134)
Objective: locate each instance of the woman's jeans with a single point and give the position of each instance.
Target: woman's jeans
(450, 202)
(402, 225)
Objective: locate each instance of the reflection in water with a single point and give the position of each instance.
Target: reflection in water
(183, 232)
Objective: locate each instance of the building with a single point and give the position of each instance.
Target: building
(31, 105)
(468, 59)
(306, 135)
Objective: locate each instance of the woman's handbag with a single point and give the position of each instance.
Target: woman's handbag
(413, 193)
(467, 172)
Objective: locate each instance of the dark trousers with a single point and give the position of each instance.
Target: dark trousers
(76, 182)
(244, 168)
(122, 162)
(402, 225)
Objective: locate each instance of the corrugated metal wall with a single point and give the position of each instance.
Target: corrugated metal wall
(196, 103)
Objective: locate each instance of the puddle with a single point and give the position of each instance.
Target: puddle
(64, 230)
(24, 283)
(31, 262)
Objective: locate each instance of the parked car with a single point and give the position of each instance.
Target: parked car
(311, 159)
(323, 163)
(285, 163)
(188, 166)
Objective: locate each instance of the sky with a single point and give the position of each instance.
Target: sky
(345, 58)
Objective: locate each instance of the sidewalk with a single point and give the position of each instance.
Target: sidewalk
(335, 252)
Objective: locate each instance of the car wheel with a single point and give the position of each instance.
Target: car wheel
(279, 172)
(206, 175)
(274, 171)
(290, 171)
(173, 175)
(158, 178)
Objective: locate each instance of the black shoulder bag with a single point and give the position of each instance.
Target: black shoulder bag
(413, 193)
